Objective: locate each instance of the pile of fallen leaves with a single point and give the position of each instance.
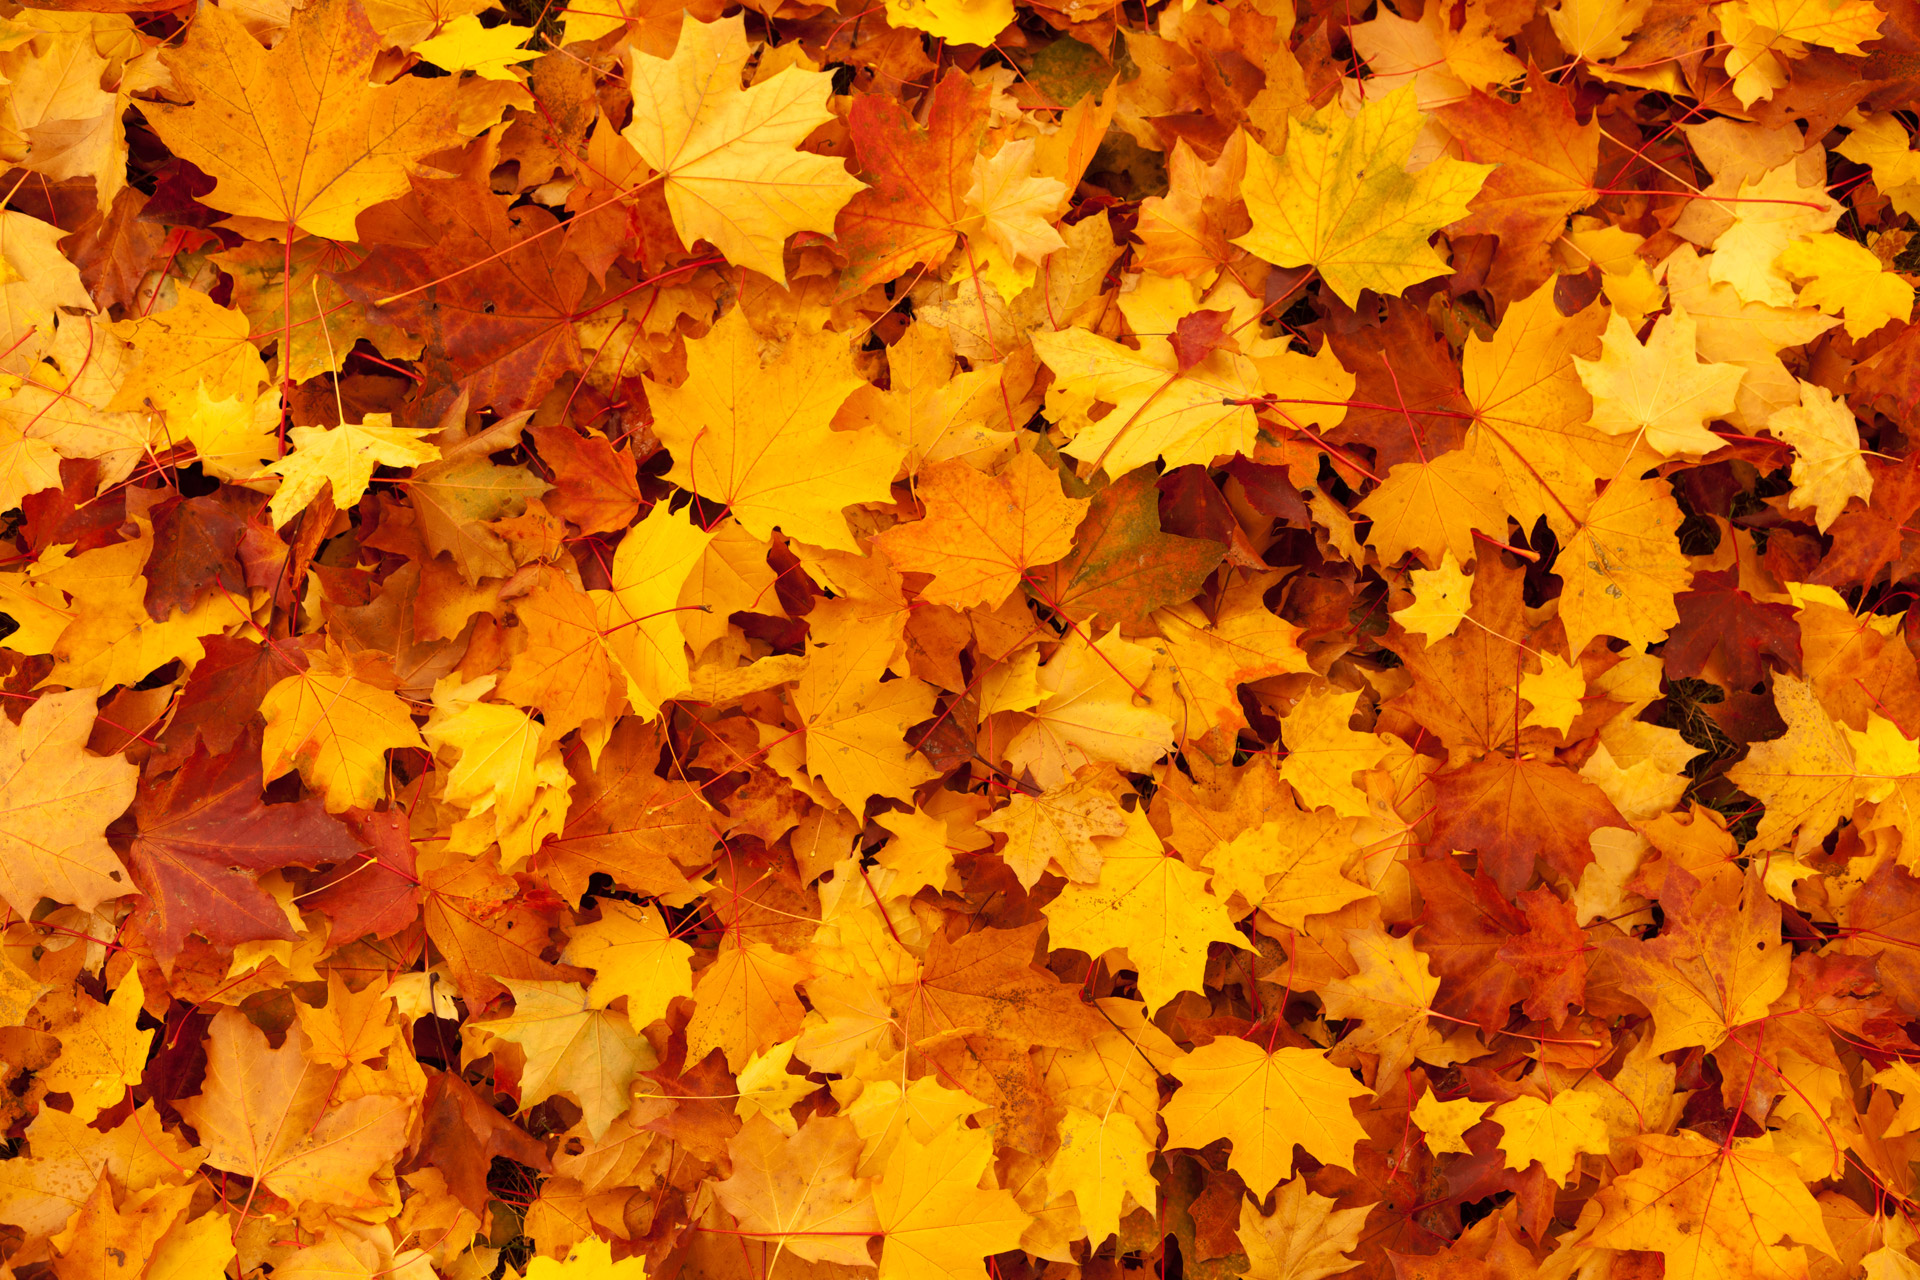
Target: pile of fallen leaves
(939, 639)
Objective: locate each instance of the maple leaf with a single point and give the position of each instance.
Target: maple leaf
(202, 832)
(1828, 468)
(335, 722)
(1716, 968)
(300, 135)
(1340, 199)
(754, 434)
(1546, 170)
(909, 215)
(1555, 1132)
(729, 157)
(1245, 642)
(61, 798)
(270, 1114)
(1622, 566)
(982, 535)
(1720, 622)
(986, 984)
(1154, 907)
(934, 1217)
(1713, 1209)
(1845, 277)
(102, 1051)
(571, 1046)
(634, 958)
(1660, 392)
(801, 1189)
(1390, 995)
(1057, 828)
(497, 310)
(344, 457)
(1264, 1102)
(1124, 565)
(1304, 1238)
(1324, 752)
(1764, 34)
(854, 721)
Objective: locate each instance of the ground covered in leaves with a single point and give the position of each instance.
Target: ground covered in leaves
(972, 640)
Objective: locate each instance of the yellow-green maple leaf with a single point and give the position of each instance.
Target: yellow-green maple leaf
(1340, 198)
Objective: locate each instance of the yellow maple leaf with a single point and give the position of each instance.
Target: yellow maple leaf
(1391, 995)
(300, 135)
(1340, 198)
(1159, 411)
(35, 281)
(800, 1189)
(58, 799)
(489, 52)
(571, 1047)
(1154, 907)
(1553, 1132)
(1777, 209)
(111, 637)
(1324, 752)
(1446, 1123)
(1441, 598)
(1808, 778)
(1102, 1161)
(1304, 1238)
(273, 1114)
(634, 956)
(1263, 1103)
(640, 611)
(1433, 506)
(1661, 392)
(745, 1002)
(1012, 208)
(1532, 410)
(1713, 1209)
(1596, 29)
(1765, 35)
(1090, 710)
(501, 764)
(589, 1259)
(1208, 662)
(344, 456)
(192, 344)
(1291, 866)
(753, 432)
(1622, 566)
(937, 1222)
(728, 156)
(102, 1052)
(352, 1027)
(855, 722)
(1553, 693)
(975, 22)
(335, 722)
(1056, 829)
(1828, 466)
(1843, 277)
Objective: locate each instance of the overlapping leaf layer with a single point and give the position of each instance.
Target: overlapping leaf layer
(952, 638)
